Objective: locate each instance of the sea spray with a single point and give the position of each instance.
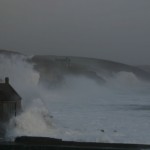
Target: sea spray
(22, 76)
(35, 120)
(80, 109)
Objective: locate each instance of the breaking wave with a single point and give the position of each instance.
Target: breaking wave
(80, 109)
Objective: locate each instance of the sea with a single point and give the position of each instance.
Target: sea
(79, 108)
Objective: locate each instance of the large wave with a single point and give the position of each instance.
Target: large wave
(79, 108)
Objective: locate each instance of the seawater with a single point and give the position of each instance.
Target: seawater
(80, 109)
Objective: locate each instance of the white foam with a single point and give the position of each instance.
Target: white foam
(82, 110)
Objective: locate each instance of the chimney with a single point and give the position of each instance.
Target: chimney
(6, 80)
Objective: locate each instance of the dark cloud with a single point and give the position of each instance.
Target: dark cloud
(109, 29)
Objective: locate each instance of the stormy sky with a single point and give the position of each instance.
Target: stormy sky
(109, 29)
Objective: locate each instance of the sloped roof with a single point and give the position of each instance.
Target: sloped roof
(7, 93)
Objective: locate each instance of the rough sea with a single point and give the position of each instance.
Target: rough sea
(79, 108)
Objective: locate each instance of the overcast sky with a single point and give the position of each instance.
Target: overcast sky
(110, 29)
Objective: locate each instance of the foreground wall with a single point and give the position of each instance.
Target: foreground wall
(38, 143)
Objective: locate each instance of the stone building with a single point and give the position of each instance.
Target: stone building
(10, 101)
